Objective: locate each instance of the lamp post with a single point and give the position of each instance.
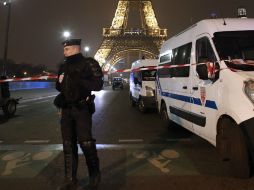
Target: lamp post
(66, 34)
(86, 50)
(6, 3)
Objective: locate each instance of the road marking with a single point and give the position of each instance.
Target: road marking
(129, 140)
(22, 106)
(36, 141)
(49, 147)
(42, 101)
(179, 140)
(37, 98)
(19, 163)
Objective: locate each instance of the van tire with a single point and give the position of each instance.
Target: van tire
(232, 146)
(132, 102)
(9, 108)
(141, 106)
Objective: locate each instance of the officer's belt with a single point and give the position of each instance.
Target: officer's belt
(78, 103)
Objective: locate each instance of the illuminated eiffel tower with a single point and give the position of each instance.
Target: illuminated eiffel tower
(120, 41)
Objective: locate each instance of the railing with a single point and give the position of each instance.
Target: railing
(30, 85)
(109, 32)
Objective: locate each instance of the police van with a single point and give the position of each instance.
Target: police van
(205, 84)
(142, 84)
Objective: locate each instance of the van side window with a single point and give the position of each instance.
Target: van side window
(167, 61)
(204, 51)
(165, 58)
(182, 56)
(165, 72)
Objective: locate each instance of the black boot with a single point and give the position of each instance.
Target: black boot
(92, 161)
(71, 166)
(68, 185)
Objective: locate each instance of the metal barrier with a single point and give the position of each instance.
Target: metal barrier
(21, 85)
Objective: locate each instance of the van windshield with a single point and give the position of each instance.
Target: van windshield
(148, 75)
(236, 48)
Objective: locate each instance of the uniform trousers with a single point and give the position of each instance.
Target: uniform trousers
(76, 126)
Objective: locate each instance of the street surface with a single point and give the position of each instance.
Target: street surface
(137, 151)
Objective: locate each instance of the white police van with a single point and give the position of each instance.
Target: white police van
(142, 83)
(205, 83)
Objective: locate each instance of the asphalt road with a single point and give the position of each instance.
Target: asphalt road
(137, 151)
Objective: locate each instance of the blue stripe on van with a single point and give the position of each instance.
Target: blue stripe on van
(177, 97)
(209, 103)
(197, 101)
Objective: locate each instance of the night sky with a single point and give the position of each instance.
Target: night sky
(36, 25)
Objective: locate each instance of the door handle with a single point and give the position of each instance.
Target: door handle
(195, 88)
(184, 87)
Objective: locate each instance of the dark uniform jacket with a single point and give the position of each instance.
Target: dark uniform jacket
(81, 76)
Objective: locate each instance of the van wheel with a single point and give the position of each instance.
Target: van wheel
(141, 106)
(9, 108)
(164, 114)
(232, 146)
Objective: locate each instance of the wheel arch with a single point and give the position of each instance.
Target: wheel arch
(224, 116)
(231, 134)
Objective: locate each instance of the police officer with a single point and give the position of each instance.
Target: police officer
(77, 77)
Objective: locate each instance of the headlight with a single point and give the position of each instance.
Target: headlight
(249, 89)
(149, 91)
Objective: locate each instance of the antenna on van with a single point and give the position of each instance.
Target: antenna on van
(224, 21)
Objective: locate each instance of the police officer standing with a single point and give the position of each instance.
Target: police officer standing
(77, 77)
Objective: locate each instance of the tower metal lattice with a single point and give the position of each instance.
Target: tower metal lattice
(120, 39)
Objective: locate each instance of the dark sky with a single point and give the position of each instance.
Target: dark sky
(37, 25)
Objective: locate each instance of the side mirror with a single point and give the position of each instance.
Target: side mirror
(207, 71)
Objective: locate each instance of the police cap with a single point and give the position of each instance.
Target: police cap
(72, 42)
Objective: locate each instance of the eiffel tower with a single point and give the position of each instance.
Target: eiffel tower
(120, 41)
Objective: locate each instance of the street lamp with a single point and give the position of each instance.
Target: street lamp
(6, 3)
(66, 34)
(86, 50)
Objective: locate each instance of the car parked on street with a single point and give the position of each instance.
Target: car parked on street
(117, 82)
